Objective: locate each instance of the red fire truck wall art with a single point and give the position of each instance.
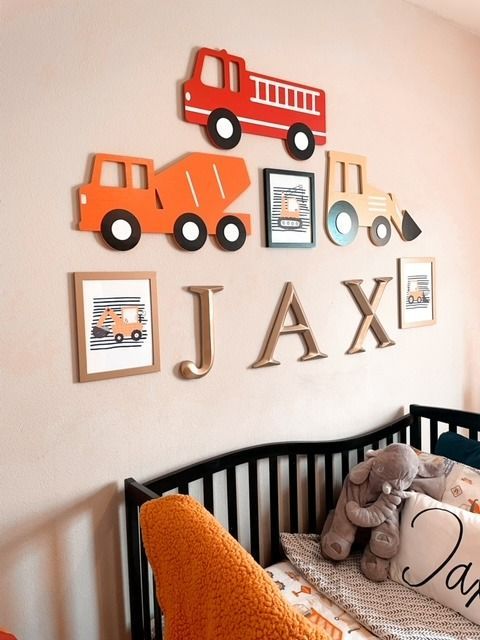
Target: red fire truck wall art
(230, 100)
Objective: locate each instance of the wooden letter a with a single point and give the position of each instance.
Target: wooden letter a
(289, 301)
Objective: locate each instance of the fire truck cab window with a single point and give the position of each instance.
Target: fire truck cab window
(212, 72)
(139, 176)
(113, 175)
(354, 178)
(234, 76)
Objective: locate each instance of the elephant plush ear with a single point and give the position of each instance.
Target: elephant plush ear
(431, 467)
(361, 471)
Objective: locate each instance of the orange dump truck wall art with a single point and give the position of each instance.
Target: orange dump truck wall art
(126, 197)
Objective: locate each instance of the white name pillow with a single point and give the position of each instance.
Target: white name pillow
(439, 554)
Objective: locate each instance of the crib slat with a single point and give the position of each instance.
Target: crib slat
(147, 631)
(274, 524)
(312, 499)
(433, 434)
(345, 464)
(329, 502)
(253, 500)
(360, 454)
(473, 433)
(389, 438)
(183, 488)
(402, 435)
(452, 427)
(157, 615)
(293, 486)
(232, 502)
(133, 543)
(208, 492)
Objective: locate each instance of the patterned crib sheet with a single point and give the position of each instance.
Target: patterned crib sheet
(315, 606)
(389, 609)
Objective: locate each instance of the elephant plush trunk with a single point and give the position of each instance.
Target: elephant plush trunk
(375, 514)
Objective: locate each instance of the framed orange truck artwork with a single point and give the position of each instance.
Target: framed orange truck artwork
(416, 293)
(127, 197)
(352, 203)
(117, 324)
(229, 100)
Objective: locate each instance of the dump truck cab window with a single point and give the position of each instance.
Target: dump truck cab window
(113, 174)
(139, 176)
(212, 72)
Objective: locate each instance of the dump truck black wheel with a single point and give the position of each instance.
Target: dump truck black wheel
(300, 141)
(190, 232)
(136, 335)
(231, 233)
(342, 223)
(223, 129)
(119, 337)
(121, 230)
(381, 231)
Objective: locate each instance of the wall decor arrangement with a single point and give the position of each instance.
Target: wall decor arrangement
(126, 197)
(289, 208)
(117, 324)
(230, 100)
(416, 297)
(352, 203)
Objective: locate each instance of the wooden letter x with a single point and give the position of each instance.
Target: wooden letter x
(370, 320)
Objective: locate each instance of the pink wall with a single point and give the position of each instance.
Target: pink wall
(84, 77)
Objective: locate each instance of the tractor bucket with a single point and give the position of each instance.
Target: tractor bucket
(410, 229)
(99, 332)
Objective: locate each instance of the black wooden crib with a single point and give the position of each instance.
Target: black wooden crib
(259, 491)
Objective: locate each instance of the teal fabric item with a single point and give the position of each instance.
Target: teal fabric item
(456, 447)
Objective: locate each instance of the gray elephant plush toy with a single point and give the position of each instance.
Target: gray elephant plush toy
(371, 498)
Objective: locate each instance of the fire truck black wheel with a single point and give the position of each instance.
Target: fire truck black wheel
(119, 337)
(231, 233)
(380, 232)
(190, 232)
(342, 223)
(223, 129)
(121, 230)
(300, 141)
(136, 335)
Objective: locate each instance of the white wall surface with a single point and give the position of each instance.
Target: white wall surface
(85, 76)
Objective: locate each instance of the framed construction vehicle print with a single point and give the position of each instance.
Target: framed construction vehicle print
(416, 292)
(117, 324)
(289, 208)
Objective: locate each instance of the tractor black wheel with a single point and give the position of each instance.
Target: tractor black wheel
(380, 232)
(121, 230)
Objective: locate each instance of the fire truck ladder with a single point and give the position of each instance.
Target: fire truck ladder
(286, 99)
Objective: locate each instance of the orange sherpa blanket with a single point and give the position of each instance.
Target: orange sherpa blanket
(208, 586)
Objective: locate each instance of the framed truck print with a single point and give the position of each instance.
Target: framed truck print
(117, 324)
(416, 292)
(289, 208)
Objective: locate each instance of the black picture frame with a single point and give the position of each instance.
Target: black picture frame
(289, 208)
